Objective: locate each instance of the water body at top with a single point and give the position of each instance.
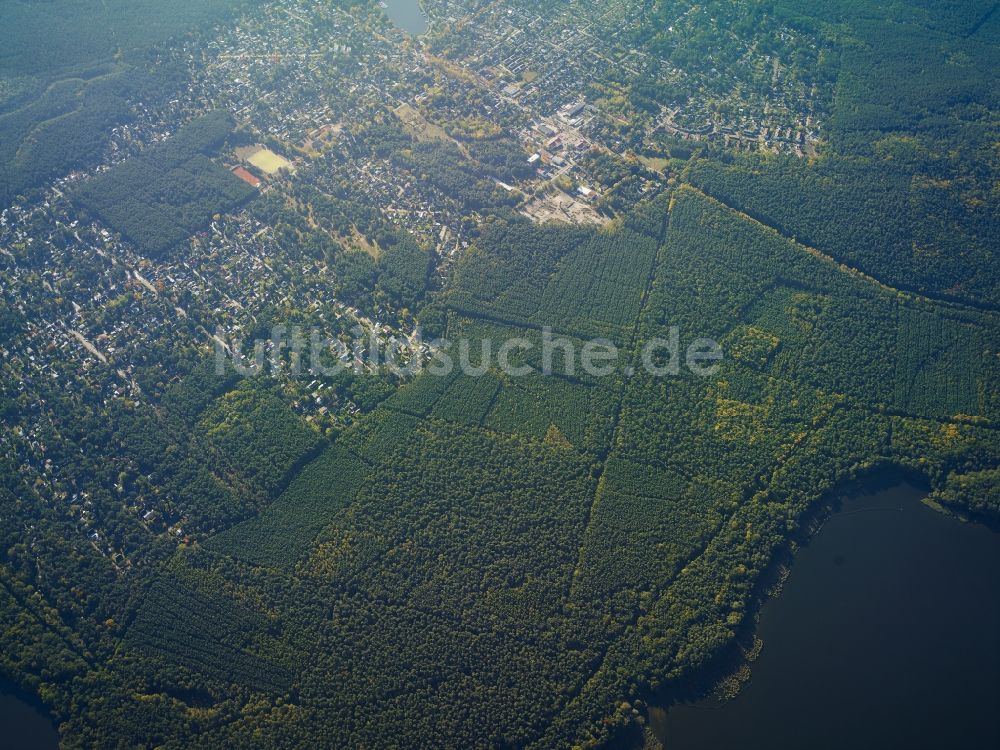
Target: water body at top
(406, 14)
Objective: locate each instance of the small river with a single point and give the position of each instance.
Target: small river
(886, 635)
(23, 723)
(406, 14)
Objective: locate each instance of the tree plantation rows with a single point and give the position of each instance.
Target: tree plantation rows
(582, 282)
(525, 553)
(198, 628)
(213, 453)
(285, 530)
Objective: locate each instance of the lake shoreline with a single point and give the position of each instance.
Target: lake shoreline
(404, 13)
(872, 610)
(31, 710)
(711, 685)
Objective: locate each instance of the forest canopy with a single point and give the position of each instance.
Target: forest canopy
(159, 199)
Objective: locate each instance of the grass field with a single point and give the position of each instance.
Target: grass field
(655, 162)
(269, 162)
(418, 127)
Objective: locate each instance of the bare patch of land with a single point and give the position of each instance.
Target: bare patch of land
(558, 206)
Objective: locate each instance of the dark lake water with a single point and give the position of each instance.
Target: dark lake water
(886, 635)
(406, 14)
(24, 725)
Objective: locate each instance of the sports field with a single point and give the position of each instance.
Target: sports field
(268, 161)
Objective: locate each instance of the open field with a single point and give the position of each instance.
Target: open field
(268, 162)
(657, 163)
(418, 127)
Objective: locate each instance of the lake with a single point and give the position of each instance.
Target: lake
(885, 635)
(406, 14)
(23, 723)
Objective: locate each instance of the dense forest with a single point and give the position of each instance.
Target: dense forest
(71, 74)
(68, 124)
(905, 188)
(159, 199)
(53, 37)
(546, 546)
